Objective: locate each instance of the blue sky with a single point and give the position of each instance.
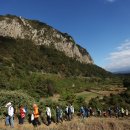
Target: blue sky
(100, 26)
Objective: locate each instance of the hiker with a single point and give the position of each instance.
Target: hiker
(57, 114)
(86, 111)
(109, 112)
(10, 114)
(91, 111)
(82, 112)
(61, 114)
(104, 113)
(122, 112)
(66, 112)
(72, 111)
(22, 115)
(69, 113)
(117, 112)
(98, 112)
(36, 115)
(126, 112)
(48, 113)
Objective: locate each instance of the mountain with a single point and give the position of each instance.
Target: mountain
(41, 70)
(33, 55)
(43, 34)
(125, 72)
(24, 55)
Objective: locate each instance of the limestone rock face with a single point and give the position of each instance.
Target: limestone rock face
(42, 34)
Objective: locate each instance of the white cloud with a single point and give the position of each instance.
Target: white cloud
(120, 59)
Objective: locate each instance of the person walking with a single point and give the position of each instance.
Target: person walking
(110, 112)
(36, 121)
(69, 113)
(57, 114)
(86, 111)
(117, 112)
(10, 114)
(122, 111)
(22, 115)
(61, 114)
(48, 113)
(91, 111)
(82, 112)
(72, 111)
(126, 112)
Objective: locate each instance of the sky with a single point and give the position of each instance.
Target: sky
(100, 26)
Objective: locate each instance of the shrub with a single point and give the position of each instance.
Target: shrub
(17, 98)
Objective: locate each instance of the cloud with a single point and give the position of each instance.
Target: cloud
(119, 60)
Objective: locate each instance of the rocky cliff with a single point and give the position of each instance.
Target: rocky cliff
(42, 34)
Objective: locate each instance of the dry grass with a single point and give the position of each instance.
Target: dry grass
(97, 124)
(92, 123)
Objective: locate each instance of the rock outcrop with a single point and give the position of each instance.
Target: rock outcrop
(42, 34)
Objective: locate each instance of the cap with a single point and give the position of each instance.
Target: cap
(8, 104)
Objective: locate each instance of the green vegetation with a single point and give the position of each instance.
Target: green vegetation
(17, 98)
(121, 100)
(24, 65)
(32, 73)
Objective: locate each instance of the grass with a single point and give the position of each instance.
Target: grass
(92, 123)
(87, 95)
(75, 84)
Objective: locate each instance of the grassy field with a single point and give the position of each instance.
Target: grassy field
(92, 123)
(88, 95)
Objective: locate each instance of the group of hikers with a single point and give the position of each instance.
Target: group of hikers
(117, 112)
(60, 114)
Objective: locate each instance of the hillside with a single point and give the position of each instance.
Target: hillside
(42, 34)
(34, 67)
(39, 72)
(21, 61)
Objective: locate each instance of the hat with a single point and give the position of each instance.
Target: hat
(8, 104)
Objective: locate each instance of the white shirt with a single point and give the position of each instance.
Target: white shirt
(66, 109)
(10, 111)
(48, 112)
(72, 109)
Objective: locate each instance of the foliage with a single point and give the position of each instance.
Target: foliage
(121, 100)
(24, 55)
(95, 103)
(17, 98)
(79, 101)
(68, 97)
(126, 82)
(24, 65)
(36, 72)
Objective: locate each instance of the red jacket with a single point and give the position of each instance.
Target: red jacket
(22, 112)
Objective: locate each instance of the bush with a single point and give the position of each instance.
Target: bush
(68, 97)
(17, 98)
